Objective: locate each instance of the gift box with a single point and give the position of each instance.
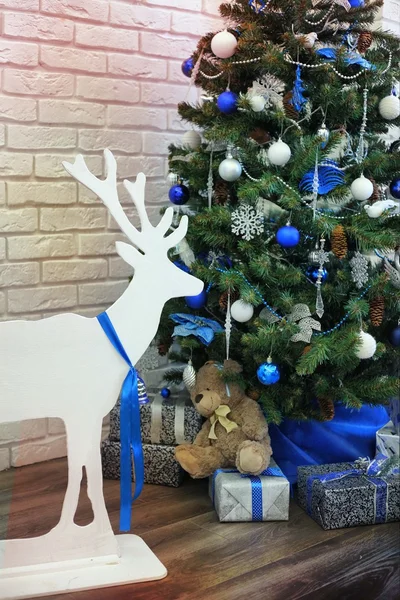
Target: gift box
(160, 465)
(344, 495)
(238, 497)
(388, 441)
(394, 412)
(169, 421)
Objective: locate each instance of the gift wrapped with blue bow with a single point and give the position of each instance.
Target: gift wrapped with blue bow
(388, 441)
(238, 497)
(350, 494)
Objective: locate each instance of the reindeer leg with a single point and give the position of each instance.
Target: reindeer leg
(75, 464)
(95, 479)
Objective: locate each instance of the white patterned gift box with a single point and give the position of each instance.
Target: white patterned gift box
(394, 412)
(238, 497)
(388, 441)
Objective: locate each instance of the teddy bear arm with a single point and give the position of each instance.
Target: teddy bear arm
(202, 438)
(254, 424)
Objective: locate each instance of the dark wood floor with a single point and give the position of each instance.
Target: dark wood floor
(208, 560)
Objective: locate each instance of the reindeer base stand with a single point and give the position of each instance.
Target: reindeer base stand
(66, 366)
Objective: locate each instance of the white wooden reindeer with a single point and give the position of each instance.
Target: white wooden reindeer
(65, 366)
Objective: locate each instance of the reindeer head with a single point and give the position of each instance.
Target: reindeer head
(148, 254)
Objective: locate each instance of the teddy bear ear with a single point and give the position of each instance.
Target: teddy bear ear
(232, 366)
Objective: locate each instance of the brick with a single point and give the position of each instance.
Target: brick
(156, 193)
(22, 430)
(15, 164)
(41, 246)
(18, 53)
(41, 193)
(39, 299)
(74, 270)
(17, 109)
(38, 83)
(36, 138)
(2, 135)
(157, 143)
(98, 244)
(209, 6)
(130, 166)
(137, 117)
(4, 459)
(135, 66)
(96, 10)
(75, 113)
(20, 4)
(112, 90)
(175, 72)
(194, 5)
(119, 268)
(2, 303)
(163, 93)
(73, 59)
(55, 426)
(139, 16)
(39, 451)
(2, 192)
(175, 123)
(184, 23)
(13, 275)
(132, 215)
(63, 219)
(120, 141)
(15, 221)
(50, 165)
(38, 27)
(2, 248)
(162, 44)
(106, 37)
(104, 293)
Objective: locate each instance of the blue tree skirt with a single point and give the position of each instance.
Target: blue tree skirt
(350, 435)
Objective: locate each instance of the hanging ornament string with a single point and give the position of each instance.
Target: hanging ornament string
(228, 325)
(233, 62)
(210, 181)
(324, 18)
(361, 151)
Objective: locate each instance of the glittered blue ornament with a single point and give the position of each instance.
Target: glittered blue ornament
(268, 373)
(395, 188)
(298, 99)
(165, 392)
(227, 102)
(179, 194)
(288, 236)
(356, 3)
(312, 273)
(187, 67)
(181, 265)
(198, 301)
(394, 336)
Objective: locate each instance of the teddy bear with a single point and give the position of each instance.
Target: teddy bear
(235, 433)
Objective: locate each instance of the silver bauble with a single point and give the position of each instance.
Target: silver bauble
(230, 169)
(189, 376)
(323, 133)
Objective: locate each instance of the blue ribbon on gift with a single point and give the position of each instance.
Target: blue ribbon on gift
(130, 430)
(256, 488)
(363, 468)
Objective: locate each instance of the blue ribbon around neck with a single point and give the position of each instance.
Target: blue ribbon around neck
(370, 471)
(256, 488)
(130, 430)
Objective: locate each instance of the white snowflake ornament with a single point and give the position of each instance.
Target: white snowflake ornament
(359, 270)
(247, 221)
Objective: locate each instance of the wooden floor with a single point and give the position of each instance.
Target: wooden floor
(208, 560)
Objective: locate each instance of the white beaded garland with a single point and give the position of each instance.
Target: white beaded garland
(242, 311)
(192, 139)
(362, 188)
(368, 346)
(230, 169)
(257, 103)
(279, 153)
(389, 107)
(224, 44)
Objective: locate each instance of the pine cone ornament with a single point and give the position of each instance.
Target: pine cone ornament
(339, 242)
(253, 393)
(375, 194)
(163, 348)
(327, 409)
(221, 192)
(377, 310)
(364, 41)
(290, 110)
(223, 299)
(260, 135)
(306, 350)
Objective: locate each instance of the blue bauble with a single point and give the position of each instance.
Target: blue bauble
(288, 236)
(268, 373)
(165, 392)
(181, 265)
(312, 273)
(395, 188)
(356, 3)
(394, 336)
(187, 67)
(179, 194)
(198, 301)
(227, 102)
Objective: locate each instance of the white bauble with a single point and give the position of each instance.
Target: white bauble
(257, 103)
(192, 139)
(389, 107)
(362, 188)
(368, 346)
(279, 153)
(224, 44)
(230, 169)
(241, 311)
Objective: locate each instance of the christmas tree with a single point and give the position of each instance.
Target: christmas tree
(293, 199)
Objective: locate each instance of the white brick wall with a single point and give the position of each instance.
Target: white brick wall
(79, 75)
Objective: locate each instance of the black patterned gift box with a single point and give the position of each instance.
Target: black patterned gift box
(345, 500)
(169, 421)
(160, 465)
